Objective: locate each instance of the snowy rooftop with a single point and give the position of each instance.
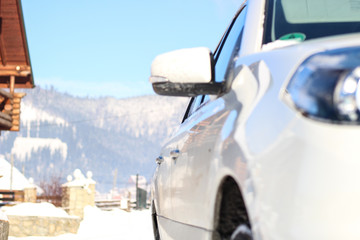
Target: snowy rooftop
(19, 180)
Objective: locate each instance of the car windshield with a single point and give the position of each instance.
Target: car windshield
(309, 19)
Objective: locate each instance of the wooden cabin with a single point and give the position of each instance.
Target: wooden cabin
(15, 66)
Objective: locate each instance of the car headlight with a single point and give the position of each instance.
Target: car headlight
(326, 86)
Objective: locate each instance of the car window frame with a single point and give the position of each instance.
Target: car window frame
(191, 109)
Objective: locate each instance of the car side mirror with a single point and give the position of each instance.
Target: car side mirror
(185, 72)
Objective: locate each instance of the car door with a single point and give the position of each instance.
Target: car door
(191, 150)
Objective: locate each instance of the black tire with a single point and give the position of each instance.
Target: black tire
(155, 224)
(231, 212)
(242, 232)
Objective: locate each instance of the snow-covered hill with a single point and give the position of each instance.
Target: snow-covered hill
(60, 133)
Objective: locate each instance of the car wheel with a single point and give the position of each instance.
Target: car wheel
(230, 212)
(242, 232)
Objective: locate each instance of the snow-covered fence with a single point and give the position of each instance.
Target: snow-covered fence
(7, 196)
(27, 195)
(10, 196)
(108, 204)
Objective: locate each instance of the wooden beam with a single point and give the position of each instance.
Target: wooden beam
(23, 32)
(5, 94)
(15, 128)
(14, 73)
(26, 84)
(12, 84)
(5, 116)
(15, 117)
(5, 123)
(2, 49)
(19, 95)
(16, 68)
(15, 122)
(15, 111)
(8, 107)
(7, 112)
(2, 45)
(2, 42)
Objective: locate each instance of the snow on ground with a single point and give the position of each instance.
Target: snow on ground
(108, 225)
(39, 209)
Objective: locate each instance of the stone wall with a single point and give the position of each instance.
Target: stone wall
(22, 226)
(78, 193)
(4, 230)
(76, 198)
(30, 195)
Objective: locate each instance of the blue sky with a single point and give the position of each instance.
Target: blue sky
(105, 48)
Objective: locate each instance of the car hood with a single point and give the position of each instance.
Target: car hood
(283, 61)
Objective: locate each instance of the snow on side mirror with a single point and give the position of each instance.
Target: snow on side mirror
(185, 72)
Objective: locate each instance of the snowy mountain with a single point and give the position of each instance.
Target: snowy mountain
(60, 133)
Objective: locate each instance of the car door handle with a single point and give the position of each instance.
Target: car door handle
(175, 154)
(159, 160)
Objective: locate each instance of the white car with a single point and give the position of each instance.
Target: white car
(269, 148)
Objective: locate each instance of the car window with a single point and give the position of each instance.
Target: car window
(225, 53)
(305, 20)
(231, 42)
(206, 98)
(194, 104)
(229, 48)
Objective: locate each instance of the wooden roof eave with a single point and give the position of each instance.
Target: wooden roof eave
(9, 68)
(25, 42)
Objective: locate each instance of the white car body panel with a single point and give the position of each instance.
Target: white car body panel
(281, 161)
(168, 231)
(253, 32)
(274, 154)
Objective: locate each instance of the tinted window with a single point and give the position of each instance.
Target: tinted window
(225, 54)
(304, 20)
(230, 46)
(195, 104)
